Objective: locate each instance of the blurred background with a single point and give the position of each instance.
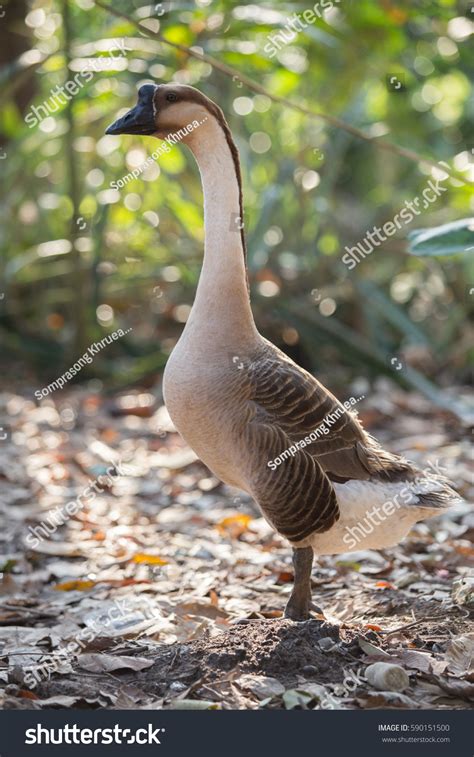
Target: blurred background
(85, 253)
(80, 259)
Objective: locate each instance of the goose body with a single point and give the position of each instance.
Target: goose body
(215, 406)
(240, 402)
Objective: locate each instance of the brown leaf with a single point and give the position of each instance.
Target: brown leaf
(262, 687)
(460, 655)
(285, 577)
(24, 694)
(414, 660)
(106, 663)
(386, 700)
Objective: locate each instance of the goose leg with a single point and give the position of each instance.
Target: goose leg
(299, 603)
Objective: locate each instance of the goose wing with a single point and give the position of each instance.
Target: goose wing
(297, 498)
(292, 465)
(289, 399)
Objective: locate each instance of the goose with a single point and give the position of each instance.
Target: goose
(249, 412)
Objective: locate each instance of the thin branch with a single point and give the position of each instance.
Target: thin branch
(254, 86)
(79, 304)
(412, 625)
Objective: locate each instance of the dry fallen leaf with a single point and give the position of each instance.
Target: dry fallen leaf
(460, 656)
(193, 704)
(386, 700)
(463, 591)
(24, 694)
(305, 694)
(98, 663)
(235, 525)
(371, 649)
(142, 557)
(415, 660)
(285, 577)
(80, 702)
(75, 585)
(261, 686)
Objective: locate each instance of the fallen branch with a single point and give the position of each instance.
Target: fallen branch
(412, 625)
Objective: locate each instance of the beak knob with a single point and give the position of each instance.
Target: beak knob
(141, 118)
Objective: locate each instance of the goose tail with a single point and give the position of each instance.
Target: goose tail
(430, 487)
(435, 492)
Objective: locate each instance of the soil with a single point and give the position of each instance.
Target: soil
(200, 580)
(278, 648)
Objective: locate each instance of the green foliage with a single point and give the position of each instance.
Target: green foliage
(448, 239)
(71, 244)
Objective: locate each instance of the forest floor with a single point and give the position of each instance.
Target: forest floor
(162, 588)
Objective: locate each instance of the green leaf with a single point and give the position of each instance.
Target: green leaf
(449, 239)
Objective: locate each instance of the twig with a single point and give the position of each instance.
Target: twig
(22, 610)
(411, 625)
(80, 311)
(256, 87)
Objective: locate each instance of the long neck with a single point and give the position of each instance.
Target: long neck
(222, 303)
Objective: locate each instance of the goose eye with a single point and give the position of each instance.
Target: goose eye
(171, 97)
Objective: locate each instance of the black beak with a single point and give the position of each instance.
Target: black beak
(139, 120)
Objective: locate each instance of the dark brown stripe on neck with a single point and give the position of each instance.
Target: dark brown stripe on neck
(235, 157)
(214, 110)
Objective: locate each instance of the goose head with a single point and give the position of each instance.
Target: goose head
(178, 111)
(164, 109)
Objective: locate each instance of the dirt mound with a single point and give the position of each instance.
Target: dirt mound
(278, 648)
